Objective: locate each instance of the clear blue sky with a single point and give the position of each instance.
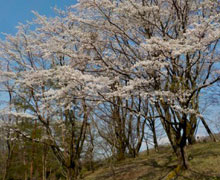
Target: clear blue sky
(14, 11)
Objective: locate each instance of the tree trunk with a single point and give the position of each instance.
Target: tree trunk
(25, 165)
(208, 130)
(44, 163)
(121, 154)
(183, 159)
(5, 177)
(155, 140)
(191, 140)
(181, 156)
(73, 170)
(70, 174)
(8, 160)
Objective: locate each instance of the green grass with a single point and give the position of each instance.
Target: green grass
(204, 164)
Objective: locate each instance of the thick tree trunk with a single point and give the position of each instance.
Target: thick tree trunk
(191, 128)
(70, 174)
(181, 156)
(73, 170)
(178, 143)
(191, 140)
(182, 163)
(121, 154)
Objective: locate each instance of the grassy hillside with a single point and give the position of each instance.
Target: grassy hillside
(204, 163)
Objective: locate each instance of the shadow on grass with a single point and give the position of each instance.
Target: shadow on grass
(159, 166)
(158, 171)
(205, 176)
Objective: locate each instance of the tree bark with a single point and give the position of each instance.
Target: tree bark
(191, 140)
(211, 135)
(70, 174)
(181, 156)
(155, 139)
(5, 177)
(121, 154)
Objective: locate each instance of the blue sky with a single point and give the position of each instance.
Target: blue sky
(14, 11)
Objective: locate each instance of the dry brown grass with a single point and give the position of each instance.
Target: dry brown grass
(204, 164)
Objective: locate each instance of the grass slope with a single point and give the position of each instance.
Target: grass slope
(204, 164)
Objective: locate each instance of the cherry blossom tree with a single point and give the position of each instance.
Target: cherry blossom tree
(40, 97)
(161, 52)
